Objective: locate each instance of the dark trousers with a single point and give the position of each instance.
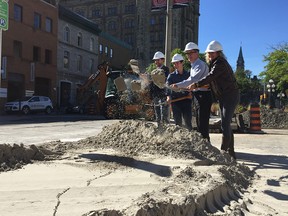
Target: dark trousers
(182, 110)
(203, 109)
(228, 105)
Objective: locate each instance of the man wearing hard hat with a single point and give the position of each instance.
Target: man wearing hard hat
(180, 100)
(202, 95)
(159, 94)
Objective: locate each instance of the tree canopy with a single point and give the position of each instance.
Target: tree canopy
(277, 66)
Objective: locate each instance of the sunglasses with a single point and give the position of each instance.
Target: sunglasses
(190, 53)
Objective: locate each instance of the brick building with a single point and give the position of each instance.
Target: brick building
(29, 49)
(133, 22)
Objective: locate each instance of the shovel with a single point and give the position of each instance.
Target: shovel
(174, 100)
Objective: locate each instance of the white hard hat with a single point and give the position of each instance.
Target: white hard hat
(177, 57)
(158, 55)
(191, 46)
(214, 46)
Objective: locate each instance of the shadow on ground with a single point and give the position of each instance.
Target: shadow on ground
(160, 170)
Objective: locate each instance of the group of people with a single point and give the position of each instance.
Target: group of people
(204, 81)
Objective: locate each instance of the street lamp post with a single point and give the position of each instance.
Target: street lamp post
(271, 90)
(280, 96)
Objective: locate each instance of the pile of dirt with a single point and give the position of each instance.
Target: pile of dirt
(15, 156)
(270, 118)
(134, 138)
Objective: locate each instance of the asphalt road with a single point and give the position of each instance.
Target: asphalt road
(38, 128)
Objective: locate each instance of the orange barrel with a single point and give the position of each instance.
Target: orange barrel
(255, 122)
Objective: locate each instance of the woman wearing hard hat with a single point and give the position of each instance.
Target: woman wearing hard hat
(224, 86)
(180, 101)
(199, 69)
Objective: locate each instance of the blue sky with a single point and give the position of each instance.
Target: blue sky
(255, 24)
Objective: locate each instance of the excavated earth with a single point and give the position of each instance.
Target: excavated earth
(210, 182)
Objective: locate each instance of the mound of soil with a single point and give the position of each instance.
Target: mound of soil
(134, 138)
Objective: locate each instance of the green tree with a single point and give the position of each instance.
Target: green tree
(277, 66)
(243, 80)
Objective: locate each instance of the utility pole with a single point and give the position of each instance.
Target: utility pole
(168, 44)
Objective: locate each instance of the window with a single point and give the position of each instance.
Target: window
(36, 54)
(112, 11)
(48, 24)
(96, 13)
(128, 38)
(161, 20)
(106, 50)
(66, 59)
(91, 65)
(111, 53)
(48, 56)
(112, 25)
(37, 21)
(100, 48)
(17, 48)
(130, 9)
(79, 39)
(66, 35)
(92, 44)
(161, 37)
(129, 23)
(153, 21)
(152, 37)
(79, 63)
(18, 10)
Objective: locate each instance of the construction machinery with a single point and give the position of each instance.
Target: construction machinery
(91, 95)
(117, 94)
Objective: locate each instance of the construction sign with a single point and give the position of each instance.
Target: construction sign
(4, 14)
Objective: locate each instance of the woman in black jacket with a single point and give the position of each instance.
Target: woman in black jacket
(224, 87)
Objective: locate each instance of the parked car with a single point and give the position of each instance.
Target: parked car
(30, 104)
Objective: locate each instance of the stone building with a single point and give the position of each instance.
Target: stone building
(133, 22)
(29, 49)
(77, 57)
(82, 46)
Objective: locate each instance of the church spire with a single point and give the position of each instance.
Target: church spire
(240, 60)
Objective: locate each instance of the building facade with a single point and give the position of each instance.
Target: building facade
(133, 22)
(29, 49)
(77, 58)
(82, 46)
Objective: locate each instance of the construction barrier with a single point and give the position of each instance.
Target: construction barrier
(255, 121)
